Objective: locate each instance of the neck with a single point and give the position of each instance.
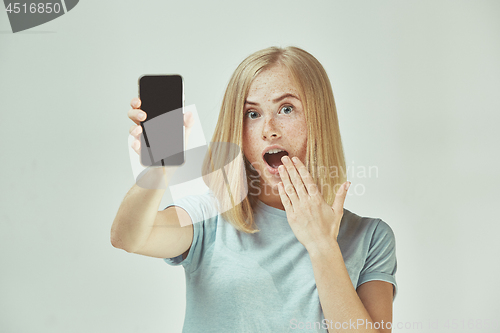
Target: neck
(271, 197)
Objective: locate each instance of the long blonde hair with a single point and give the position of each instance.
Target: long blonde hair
(324, 145)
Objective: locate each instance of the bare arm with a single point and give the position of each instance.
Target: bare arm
(138, 226)
(363, 310)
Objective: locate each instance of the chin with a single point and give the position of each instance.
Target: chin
(272, 182)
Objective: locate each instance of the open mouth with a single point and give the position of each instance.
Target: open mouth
(273, 157)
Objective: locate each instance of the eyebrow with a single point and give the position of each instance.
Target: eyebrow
(276, 100)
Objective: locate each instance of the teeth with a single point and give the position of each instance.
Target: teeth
(274, 151)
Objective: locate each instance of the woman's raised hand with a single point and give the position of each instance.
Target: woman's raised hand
(137, 115)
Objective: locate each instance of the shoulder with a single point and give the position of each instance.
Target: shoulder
(368, 230)
(200, 207)
(352, 223)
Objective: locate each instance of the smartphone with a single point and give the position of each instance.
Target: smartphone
(162, 139)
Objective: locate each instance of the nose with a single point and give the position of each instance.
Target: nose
(270, 130)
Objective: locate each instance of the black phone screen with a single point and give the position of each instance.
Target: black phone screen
(163, 130)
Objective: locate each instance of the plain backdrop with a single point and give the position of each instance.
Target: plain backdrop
(416, 86)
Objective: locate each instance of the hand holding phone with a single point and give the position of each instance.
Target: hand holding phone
(137, 115)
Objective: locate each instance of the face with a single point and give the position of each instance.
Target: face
(273, 116)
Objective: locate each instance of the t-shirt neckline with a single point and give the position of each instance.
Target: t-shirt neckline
(271, 210)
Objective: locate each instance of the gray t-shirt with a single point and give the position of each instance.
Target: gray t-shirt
(264, 282)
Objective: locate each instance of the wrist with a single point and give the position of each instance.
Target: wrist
(155, 178)
(319, 249)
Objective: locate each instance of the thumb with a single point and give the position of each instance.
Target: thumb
(188, 123)
(338, 204)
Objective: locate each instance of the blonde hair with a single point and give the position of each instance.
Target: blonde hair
(324, 144)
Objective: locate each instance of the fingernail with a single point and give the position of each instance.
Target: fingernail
(142, 116)
(295, 159)
(347, 186)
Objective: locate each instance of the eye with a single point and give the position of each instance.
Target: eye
(249, 113)
(287, 109)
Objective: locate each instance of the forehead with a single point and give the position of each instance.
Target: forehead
(272, 81)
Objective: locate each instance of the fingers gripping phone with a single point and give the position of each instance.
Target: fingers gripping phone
(162, 139)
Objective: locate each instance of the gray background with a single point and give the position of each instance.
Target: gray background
(415, 86)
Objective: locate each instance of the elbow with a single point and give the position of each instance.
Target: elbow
(115, 237)
(117, 243)
(121, 240)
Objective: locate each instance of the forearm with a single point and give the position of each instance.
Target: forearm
(137, 213)
(342, 308)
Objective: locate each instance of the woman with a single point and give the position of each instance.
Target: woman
(288, 256)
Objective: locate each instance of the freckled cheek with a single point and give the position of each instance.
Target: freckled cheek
(301, 133)
(295, 129)
(249, 146)
(298, 137)
(248, 135)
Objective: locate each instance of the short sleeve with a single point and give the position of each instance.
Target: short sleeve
(381, 263)
(203, 212)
